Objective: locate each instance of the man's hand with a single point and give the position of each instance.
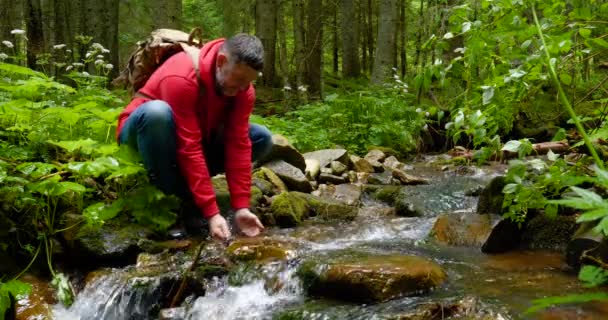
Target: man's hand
(218, 227)
(248, 222)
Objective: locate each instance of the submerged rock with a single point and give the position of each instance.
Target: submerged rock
(370, 278)
(261, 249)
(38, 304)
(463, 229)
(288, 210)
(470, 308)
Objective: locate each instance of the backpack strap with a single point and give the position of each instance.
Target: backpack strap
(194, 54)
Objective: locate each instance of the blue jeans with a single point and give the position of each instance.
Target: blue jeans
(150, 130)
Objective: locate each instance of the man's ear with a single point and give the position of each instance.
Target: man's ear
(221, 60)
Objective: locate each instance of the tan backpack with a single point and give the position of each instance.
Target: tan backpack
(151, 53)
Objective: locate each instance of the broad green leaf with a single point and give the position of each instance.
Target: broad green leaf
(11, 68)
(585, 33)
(602, 227)
(560, 135)
(565, 78)
(526, 44)
(63, 289)
(72, 186)
(510, 188)
(544, 303)
(511, 146)
(72, 146)
(36, 169)
(552, 156)
(593, 215)
(589, 196)
(466, 26)
(14, 288)
(96, 214)
(488, 94)
(599, 43)
(593, 276)
(551, 211)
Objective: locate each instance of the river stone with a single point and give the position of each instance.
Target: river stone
(468, 307)
(283, 150)
(270, 176)
(338, 168)
(375, 156)
(370, 278)
(385, 178)
(329, 209)
(38, 304)
(313, 168)
(349, 194)
(265, 186)
(361, 165)
(222, 194)
(584, 240)
(491, 198)
(542, 232)
(293, 177)
(173, 314)
(463, 229)
(261, 249)
(505, 236)
(288, 209)
(393, 163)
(330, 178)
(326, 156)
(408, 179)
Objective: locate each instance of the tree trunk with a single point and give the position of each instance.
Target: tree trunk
(230, 14)
(363, 27)
(385, 49)
(350, 40)
(10, 18)
(266, 29)
(403, 47)
(314, 45)
(419, 35)
(370, 34)
(33, 19)
(167, 14)
(100, 21)
(300, 42)
(335, 48)
(282, 44)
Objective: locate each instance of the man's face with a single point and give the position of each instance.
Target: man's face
(232, 78)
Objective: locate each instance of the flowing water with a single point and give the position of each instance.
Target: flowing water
(502, 286)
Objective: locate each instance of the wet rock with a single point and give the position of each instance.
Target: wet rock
(151, 246)
(326, 156)
(288, 209)
(116, 243)
(375, 155)
(330, 178)
(392, 163)
(584, 241)
(38, 304)
(370, 278)
(222, 194)
(407, 207)
(326, 170)
(491, 198)
(384, 178)
(338, 168)
(469, 308)
(283, 150)
(329, 209)
(293, 177)
(173, 314)
(463, 229)
(313, 168)
(265, 186)
(505, 236)
(386, 194)
(347, 193)
(352, 176)
(362, 177)
(261, 249)
(270, 176)
(361, 165)
(408, 179)
(542, 232)
(474, 191)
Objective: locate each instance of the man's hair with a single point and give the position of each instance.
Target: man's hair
(247, 49)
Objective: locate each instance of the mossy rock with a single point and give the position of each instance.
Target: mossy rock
(222, 194)
(260, 249)
(372, 278)
(491, 198)
(288, 210)
(542, 232)
(386, 194)
(329, 209)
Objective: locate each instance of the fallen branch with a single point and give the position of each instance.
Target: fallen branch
(558, 147)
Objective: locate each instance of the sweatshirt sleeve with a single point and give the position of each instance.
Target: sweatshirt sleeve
(238, 150)
(182, 95)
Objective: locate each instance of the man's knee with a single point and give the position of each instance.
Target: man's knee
(156, 113)
(261, 141)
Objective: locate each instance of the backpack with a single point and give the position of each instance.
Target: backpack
(151, 53)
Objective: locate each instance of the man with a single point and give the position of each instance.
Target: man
(185, 138)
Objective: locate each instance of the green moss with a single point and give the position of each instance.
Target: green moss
(289, 210)
(327, 209)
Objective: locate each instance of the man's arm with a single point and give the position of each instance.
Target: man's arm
(182, 95)
(238, 150)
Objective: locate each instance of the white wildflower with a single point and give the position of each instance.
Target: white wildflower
(99, 56)
(418, 110)
(425, 127)
(105, 50)
(109, 66)
(78, 64)
(3, 56)
(260, 74)
(448, 35)
(18, 32)
(396, 77)
(8, 44)
(88, 55)
(287, 88)
(427, 114)
(68, 50)
(449, 125)
(459, 50)
(68, 68)
(97, 46)
(394, 69)
(99, 62)
(84, 73)
(59, 46)
(302, 88)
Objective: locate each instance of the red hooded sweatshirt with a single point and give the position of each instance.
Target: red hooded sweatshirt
(175, 83)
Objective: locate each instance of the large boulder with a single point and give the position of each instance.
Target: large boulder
(326, 156)
(329, 209)
(350, 194)
(222, 194)
(287, 210)
(505, 236)
(361, 165)
(283, 150)
(491, 198)
(408, 179)
(370, 278)
(268, 175)
(293, 177)
(543, 232)
(313, 168)
(463, 229)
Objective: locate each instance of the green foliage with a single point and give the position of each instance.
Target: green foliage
(354, 121)
(593, 276)
(14, 288)
(544, 303)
